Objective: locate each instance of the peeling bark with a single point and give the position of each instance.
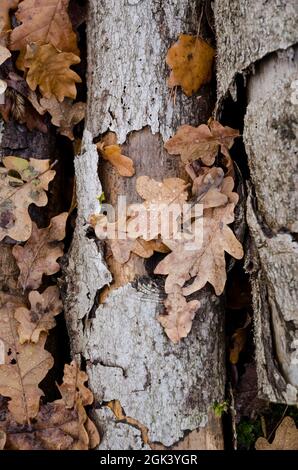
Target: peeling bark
(248, 33)
(168, 388)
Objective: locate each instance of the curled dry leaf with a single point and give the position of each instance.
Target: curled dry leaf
(19, 380)
(180, 314)
(201, 142)
(49, 69)
(44, 22)
(23, 182)
(111, 152)
(72, 388)
(8, 332)
(203, 257)
(65, 115)
(40, 317)
(54, 428)
(190, 59)
(39, 255)
(207, 188)
(286, 437)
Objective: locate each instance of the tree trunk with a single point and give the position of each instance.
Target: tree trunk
(166, 389)
(257, 39)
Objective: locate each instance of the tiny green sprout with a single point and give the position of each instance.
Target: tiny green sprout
(101, 198)
(220, 408)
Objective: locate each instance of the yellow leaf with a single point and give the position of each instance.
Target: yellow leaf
(190, 59)
(49, 69)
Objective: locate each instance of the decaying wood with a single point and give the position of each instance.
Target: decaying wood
(167, 388)
(248, 33)
(272, 218)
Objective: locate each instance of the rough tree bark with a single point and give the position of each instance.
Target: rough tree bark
(167, 388)
(257, 39)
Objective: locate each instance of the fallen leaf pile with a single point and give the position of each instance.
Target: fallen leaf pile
(47, 46)
(197, 259)
(28, 316)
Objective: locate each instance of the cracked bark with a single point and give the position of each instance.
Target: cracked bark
(262, 37)
(167, 388)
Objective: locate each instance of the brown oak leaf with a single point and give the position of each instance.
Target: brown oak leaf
(40, 317)
(190, 59)
(207, 187)
(65, 115)
(23, 182)
(39, 254)
(202, 258)
(73, 388)
(54, 428)
(178, 320)
(49, 69)
(201, 142)
(5, 7)
(19, 380)
(286, 437)
(161, 198)
(44, 22)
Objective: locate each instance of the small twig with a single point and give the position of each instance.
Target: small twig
(274, 429)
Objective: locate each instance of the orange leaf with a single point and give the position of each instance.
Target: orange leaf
(190, 59)
(49, 69)
(112, 153)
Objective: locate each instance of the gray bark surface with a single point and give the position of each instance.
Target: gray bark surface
(248, 30)
(168, 388)
(248, 33)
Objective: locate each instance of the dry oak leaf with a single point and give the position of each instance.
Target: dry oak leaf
(44, 22)
(190, 59)
(201, 142)
(54, 428)
(49, 69)
(19, 380)
(286, 437)
(8, 328)
(111, 152)
(72, 388)
(180, 314)
(65, 115)
(23, 182)
(122, 249)
(39, 255)
(40, 317)
(160, 198)
(207, 188)
(202, 260)
(5, 7)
